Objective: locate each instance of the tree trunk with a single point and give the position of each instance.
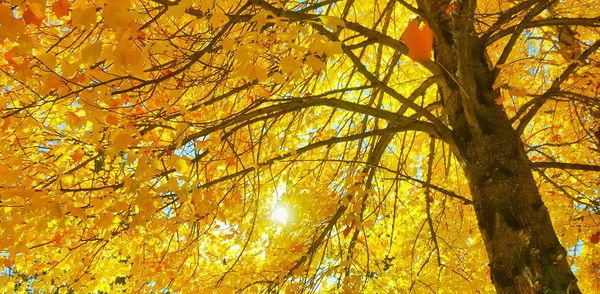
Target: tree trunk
(524, 252)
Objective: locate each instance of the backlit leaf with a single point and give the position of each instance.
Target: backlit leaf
(61, 8)
(32, 16)
(289, 64)
(419, 41)
(77, 155)
(315, 63)
(332, 22)
(84, 16)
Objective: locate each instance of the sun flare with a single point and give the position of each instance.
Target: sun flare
(280, 215)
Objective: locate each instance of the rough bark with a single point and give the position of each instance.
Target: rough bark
(524, 252)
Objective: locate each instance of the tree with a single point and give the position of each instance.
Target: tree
(301, 146)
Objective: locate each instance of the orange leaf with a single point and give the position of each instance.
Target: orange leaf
(122, 140)
(9, 262)
(297, 248)
(210, 171)
(419, 41)
(141, 35)
(348, 229)
(450, 8)
(112, 120)
(57, 238)
(8, 56)
(4, 124)
(230, 161)
(77, 155)
(31, 18)
(595, 238)
(61, 8)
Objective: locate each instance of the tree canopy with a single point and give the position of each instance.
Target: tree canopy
(299, 146)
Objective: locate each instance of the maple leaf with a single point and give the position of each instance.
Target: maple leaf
(77, 155)
(32, 16)
(122, 140)
(418, 40)
(112, 120)
(595, 238)
(315, 63)
(332, 22)
(91, 52)
(10, 26)
(61, 8)
(84, 16)
(218, 18)
(67, 180)
(289, 64)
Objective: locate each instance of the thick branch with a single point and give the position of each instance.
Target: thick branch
(581, 21)
(298, 104)
(565, 165)
(517, 32)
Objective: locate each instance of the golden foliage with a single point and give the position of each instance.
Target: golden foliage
(147, 144)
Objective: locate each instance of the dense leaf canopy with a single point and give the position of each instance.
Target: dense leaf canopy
(256, 145)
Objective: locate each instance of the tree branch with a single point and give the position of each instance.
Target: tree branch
(565, 165)
(581, 21)
(554, 88)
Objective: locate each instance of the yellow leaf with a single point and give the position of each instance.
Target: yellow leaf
(228, 44)
(50, 82)
(128, 58)
(332, 48)
(10, 26)
(68, 69)
(116, 14)
(289, 64)
(279, 78)
(55, 209)
(144, 201)
(48, 59)
(112, 120)
(332, 22)
(34, 14)
(67, 180)
(178, 10)
(84, 16)
(181, 165)
(218, 18)
(315, 63)
(91, 53)
(516, 91)
(122, 140)
(104, 221)
(259, 72)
